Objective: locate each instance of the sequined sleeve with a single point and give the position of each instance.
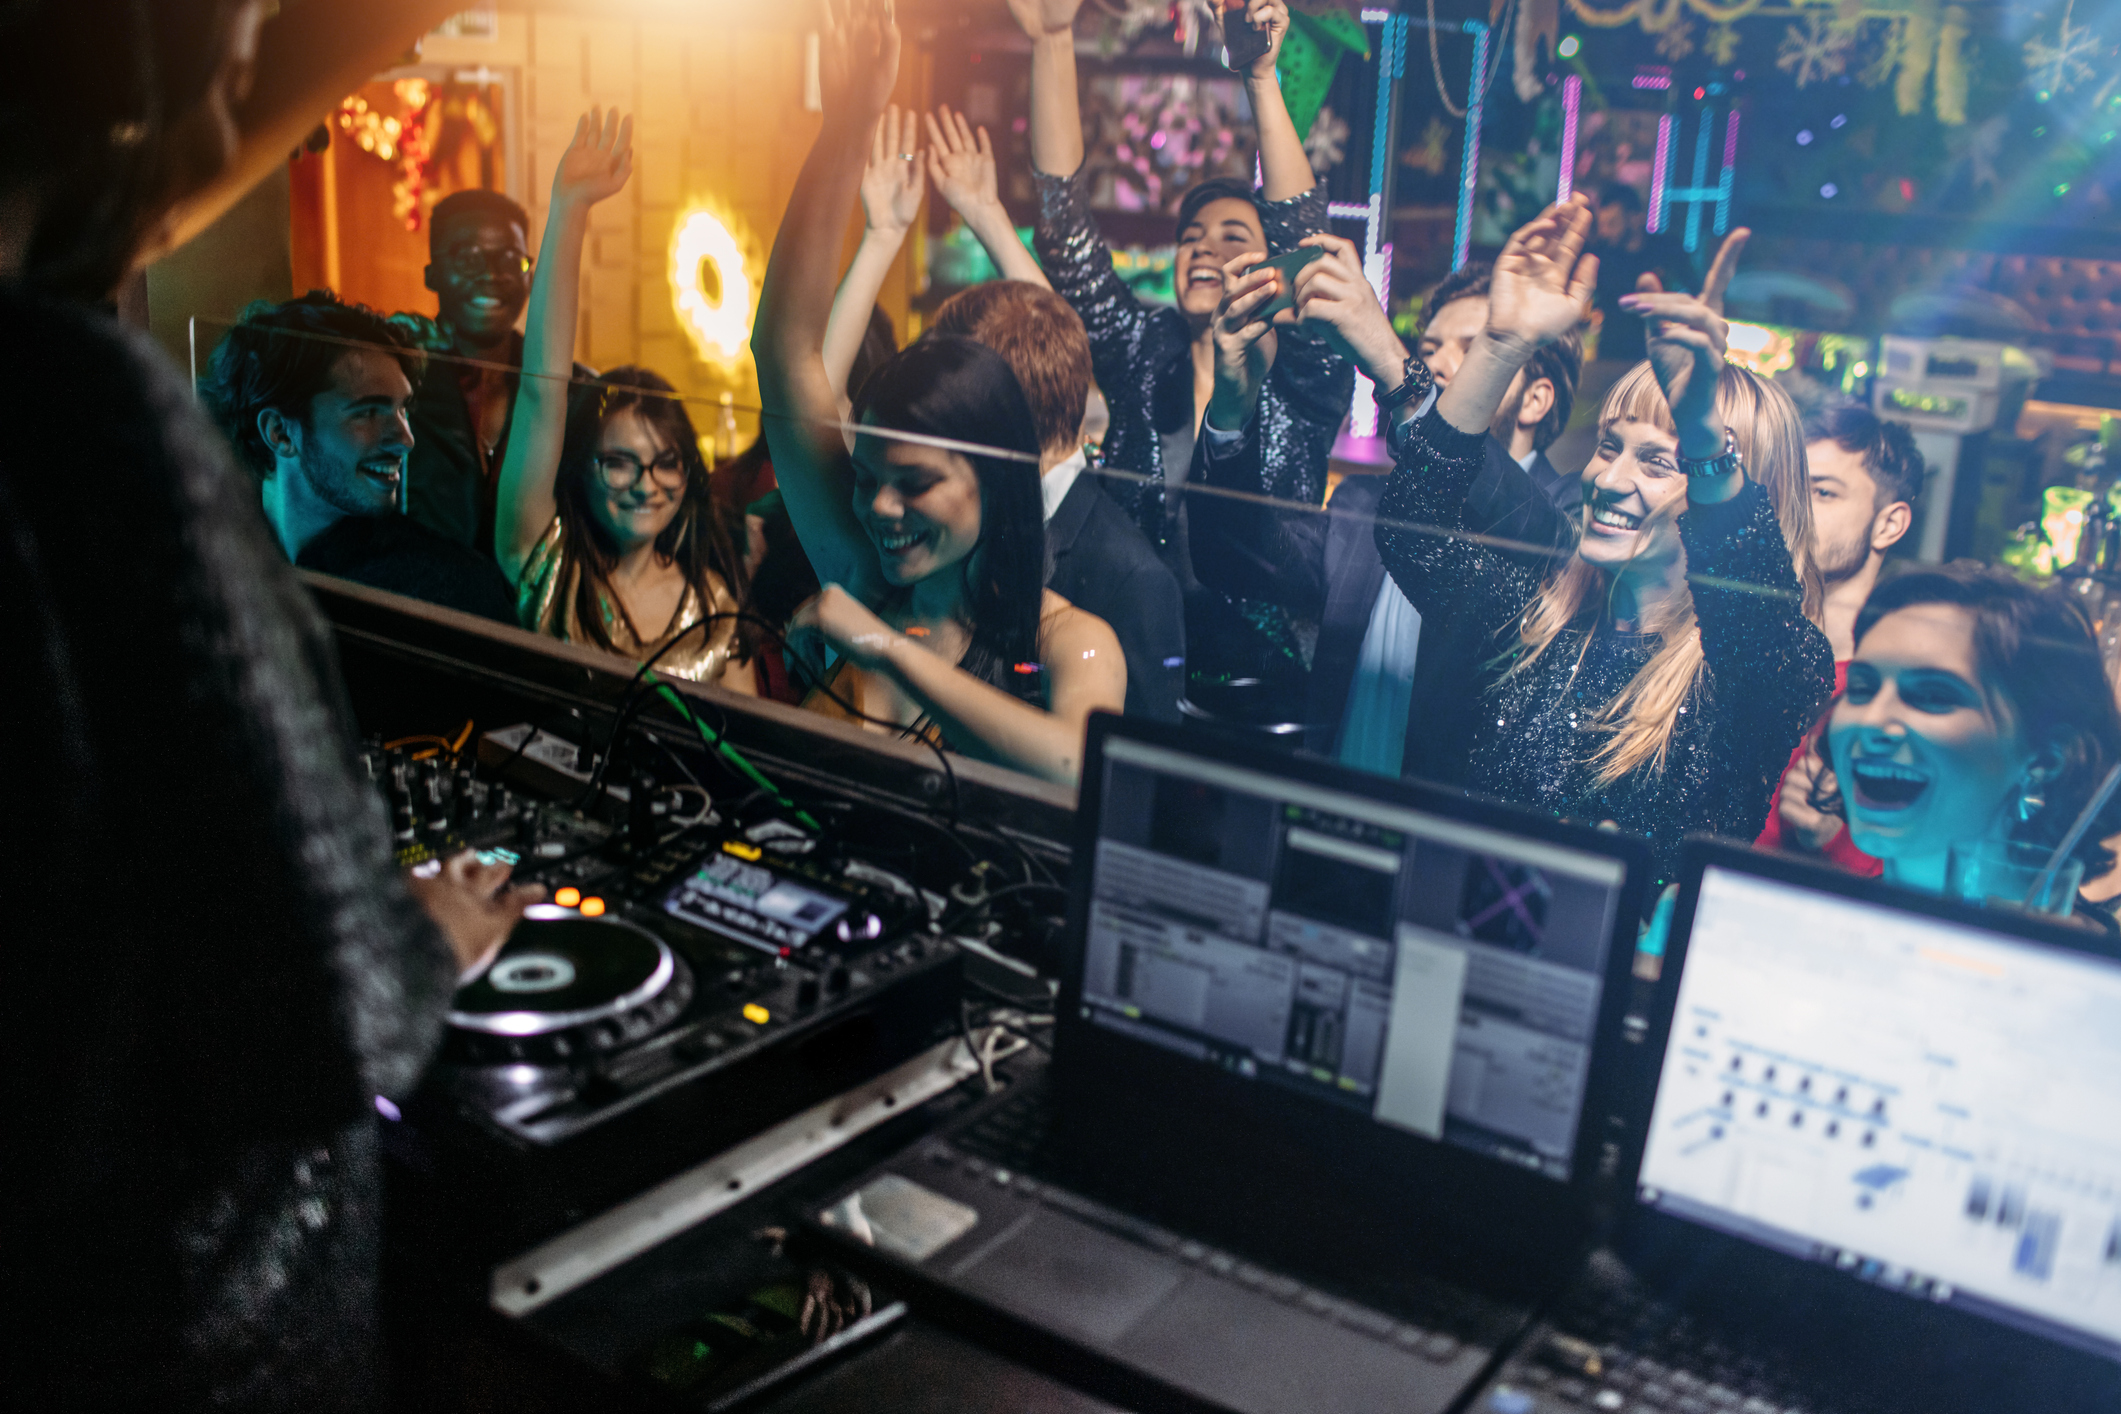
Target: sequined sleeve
(1079, 263)
(1316, 382)
(1770, 666)
(1435, 535)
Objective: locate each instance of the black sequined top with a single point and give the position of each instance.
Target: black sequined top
(1769, 670)
(1142, 356)
(211, 968)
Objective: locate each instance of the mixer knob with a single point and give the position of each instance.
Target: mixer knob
(806, 992)
(837, 979)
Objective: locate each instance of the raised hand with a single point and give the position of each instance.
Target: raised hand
(1244, 342)
(893, 183)
(1723, 267)
(597, 162)
(1336, 301)
(858, 59)
(1040, 18)
(1273, 17)
(1542, 284)
(961, 167)
(1687, 335)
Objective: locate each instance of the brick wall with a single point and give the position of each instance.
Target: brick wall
(718, 121)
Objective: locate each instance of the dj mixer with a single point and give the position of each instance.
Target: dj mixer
(698, 972)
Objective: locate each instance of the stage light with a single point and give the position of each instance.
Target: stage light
(1830, 191)
(710, 287)
(1804, 137)
(1569, 46)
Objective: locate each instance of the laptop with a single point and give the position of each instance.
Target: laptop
(1881, 1168)
(1328, 1100)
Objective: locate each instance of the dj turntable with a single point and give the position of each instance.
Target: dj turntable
(685, 987)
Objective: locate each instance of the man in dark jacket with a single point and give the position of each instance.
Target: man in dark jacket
(1365, 672)
(314, 394)
(1096, 558)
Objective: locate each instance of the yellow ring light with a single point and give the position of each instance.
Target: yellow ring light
(710, 287)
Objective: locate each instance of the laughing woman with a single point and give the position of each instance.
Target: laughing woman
(932, 553)
(604, 521)
(1976, 710)
(1658, 676)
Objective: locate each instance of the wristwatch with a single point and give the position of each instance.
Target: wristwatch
(1412, 384)
(1731, 460)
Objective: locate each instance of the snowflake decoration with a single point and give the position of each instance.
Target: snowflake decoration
(1816, 51)
(1327, 144)
(1886, 60)
(1676, 41)
(2061, 66)
(1723, 43)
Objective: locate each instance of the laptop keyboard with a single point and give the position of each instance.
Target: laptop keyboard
(1619, 1352)
(1012, 1145)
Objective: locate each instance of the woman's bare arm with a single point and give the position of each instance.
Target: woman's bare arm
(594, 166)
(799, 405)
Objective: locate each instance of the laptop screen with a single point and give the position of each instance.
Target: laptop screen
(1927, 1106)
(1437, 976)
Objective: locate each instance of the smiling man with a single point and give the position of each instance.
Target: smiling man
(479, 269)
(1866, 475)
(314, 394)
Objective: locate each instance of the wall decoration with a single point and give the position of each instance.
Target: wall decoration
(1151, 136)
(711, 287)
(2059, 67)
(1816, 50)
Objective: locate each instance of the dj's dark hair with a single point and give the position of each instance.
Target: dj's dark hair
(471, 204)
(1560, 363)
(280, 356)
(1213, 189)
(1887, 448)
(93, 97)
(702, 536)
(2038, 657)
(957, 389)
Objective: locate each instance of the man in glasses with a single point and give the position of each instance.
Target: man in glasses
(479, 269)
(314, 395)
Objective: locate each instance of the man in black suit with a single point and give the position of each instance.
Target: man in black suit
(1366, 677)
(1097, 558)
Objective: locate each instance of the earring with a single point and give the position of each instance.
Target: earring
(2032, 799)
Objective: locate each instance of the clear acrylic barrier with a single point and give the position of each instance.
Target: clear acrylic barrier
(1250, 579)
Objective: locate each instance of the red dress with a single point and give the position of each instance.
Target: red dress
(1840, 850)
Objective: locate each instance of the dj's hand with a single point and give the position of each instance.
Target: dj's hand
(474, 906)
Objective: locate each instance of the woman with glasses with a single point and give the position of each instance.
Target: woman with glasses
(604, 521)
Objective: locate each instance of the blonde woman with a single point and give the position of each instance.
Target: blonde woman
(1658, 675)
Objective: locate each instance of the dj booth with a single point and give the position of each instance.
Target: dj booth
(840, 1073)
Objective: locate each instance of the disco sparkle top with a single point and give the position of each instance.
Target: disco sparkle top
(213, 966)
(549, 595)
(1769, 670)
(1142, 356)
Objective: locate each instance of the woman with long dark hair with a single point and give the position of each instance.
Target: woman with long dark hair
(212, 967)
(929, 538)
(1977, 711)
(605, 520)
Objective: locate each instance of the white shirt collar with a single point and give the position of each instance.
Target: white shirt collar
(1528, 458)
(1054, 486)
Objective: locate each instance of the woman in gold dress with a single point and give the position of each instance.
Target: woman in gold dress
(605, 522)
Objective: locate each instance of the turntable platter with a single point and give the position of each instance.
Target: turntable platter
(564, 986)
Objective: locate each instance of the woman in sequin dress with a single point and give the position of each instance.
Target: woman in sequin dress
(930, 543)
(1155, 364)
(606, 523)
(1657, 676)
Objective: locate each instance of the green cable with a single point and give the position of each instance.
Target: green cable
(736, 758)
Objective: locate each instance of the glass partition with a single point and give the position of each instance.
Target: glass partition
(615, 512)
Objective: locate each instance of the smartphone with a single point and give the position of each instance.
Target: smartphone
(1288, 264)
(1243, 41)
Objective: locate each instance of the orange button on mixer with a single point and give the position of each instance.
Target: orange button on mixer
(567, 897)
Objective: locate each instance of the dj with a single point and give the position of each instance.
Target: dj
(211, 966)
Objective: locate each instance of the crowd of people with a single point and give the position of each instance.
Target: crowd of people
(1694, 633)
